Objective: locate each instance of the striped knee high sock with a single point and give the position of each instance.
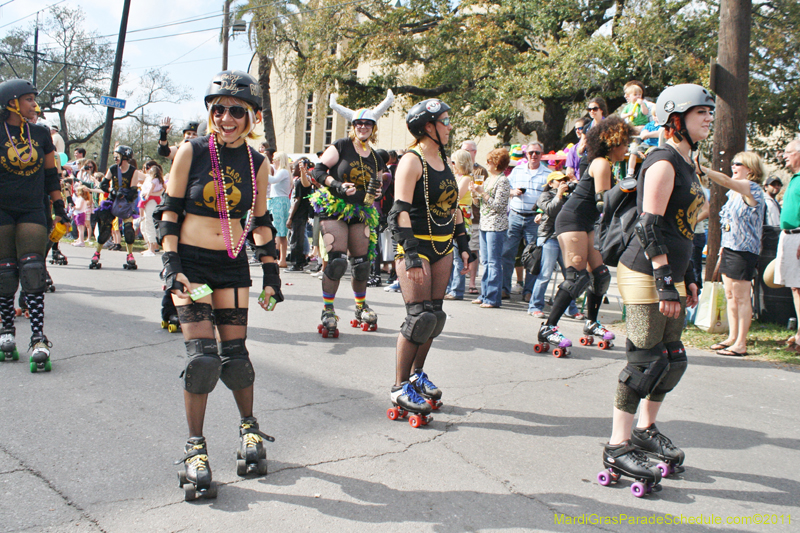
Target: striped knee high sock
(7, 311)
(360, 297)
(327, 299)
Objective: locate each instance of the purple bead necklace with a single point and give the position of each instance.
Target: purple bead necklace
(14, 144)
(222, 199)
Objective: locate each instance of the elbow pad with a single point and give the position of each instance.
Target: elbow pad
(399, 234)
(169, 203)
(649, 234)
(163, 150)
(599, 202)
(52, 182)
(165, 227)
(319, 172)
(689, 277)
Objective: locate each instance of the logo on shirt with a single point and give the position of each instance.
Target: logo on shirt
(447, 199)
(359, 174)
(231, 178)
(18, 158)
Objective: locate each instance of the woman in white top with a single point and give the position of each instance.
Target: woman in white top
(151, 191)
(280, 188)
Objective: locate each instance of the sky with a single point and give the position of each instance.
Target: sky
(191, 60)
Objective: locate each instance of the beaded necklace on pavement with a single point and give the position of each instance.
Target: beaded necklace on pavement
(222, 199)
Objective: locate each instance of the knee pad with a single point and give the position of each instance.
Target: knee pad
(575, 281)
(441, 318)
(237, 370)
(677, 366)
(420, 322)
(203, 366)
(601, 279)
(128, 232)
(32, 273)
(337, 265)
(104, 233)
(9, 277)
(360, 267)
(645, 368)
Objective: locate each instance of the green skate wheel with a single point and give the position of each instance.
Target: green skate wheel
(48, 366)
(2, 356)
(14, 355)
(33, 367)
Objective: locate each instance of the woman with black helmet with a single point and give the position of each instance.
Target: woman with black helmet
(28, 173)
(215, 180)
(121, 183)
(424, 221)
(350, 173)
(655, 279)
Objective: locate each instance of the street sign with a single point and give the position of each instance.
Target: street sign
(109, 101)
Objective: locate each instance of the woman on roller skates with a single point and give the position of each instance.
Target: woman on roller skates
(656, 280)
(28, 173)
(424, 220)
(350, 173)
(214, 181)
(606, 144)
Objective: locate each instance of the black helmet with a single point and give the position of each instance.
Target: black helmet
(237, 84)
(125, 152)
(12, 89)
(422, 113)
(191, 126)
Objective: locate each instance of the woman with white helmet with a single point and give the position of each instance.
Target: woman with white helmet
(350, 173)
(656, 281)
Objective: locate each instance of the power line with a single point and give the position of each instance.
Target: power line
(32, 14)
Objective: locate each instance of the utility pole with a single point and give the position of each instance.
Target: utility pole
(226, 25)
(731, 75)
(35, 49)
(123, 28)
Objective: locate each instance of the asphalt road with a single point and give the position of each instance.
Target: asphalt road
(517, 446)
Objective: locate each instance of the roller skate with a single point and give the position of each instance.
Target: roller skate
(550, 335)
(374, 281)
(130, 263)
(22, 310)
(51, 287)
(330, 322)
(655, 444)
(196, 477)
(251, 456)
(95, 264)
(407, 401)
(40, 354)
(57, 258)
(625, 460)
(8, 345)
(429, 392)
(171, 324)
(592, 329)
(366, 318)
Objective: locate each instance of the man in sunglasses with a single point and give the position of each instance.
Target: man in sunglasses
(189, 133)
(527, 183)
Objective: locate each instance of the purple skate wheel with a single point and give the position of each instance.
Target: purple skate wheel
(638, 489)
(664, 468)
(604, 478)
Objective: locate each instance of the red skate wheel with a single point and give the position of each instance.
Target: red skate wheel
(638, 489)
(603, 345)
(415, 421)
(604, 478)
(336, 334)
(373, 327)
(18, 312)
(393, 413)
(538, 348)
(559, 352)
(354, 323)
(324, 333)
(319, 328)
(364, 327)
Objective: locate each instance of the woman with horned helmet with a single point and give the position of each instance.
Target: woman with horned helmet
(28, 174)
(424, 221)
(215, 181)
(350, 173)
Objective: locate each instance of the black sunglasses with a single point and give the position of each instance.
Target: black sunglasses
(363, 123)
(578, 128)
(535, 152)
(236, 111)
(592, 109)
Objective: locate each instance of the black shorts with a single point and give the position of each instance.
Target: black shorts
(214, 267)
(426, 251)
(738, 265)
(569, 220)
(10, 217)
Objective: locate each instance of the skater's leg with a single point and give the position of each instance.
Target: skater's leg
(129, 233)
(335, 236)
(419, 324)
(9, 274)
(575, 249)
(230, 316)
(358, 240)
(439, 273)
(31, 244)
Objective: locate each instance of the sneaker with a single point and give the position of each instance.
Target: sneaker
(319, 276)
(314, 267)
(576, 316)
(394, 287)
(148, 253)
(294, 268)
(78, 244)
(536, 314)
(516, 289)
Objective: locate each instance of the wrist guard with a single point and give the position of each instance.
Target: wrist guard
(162, 134)
(272, 278)
(60, 211)
(163, 150)
(337, 187)
(599, 202)
(172, 267)
(462, 239)
(649, 234)
(665, 285)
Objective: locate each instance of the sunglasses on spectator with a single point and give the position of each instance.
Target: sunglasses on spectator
(236, 111)
(445, 121)
(737, 164)
(362, 123)
(578, 128)
(592, 109)
(535, 152)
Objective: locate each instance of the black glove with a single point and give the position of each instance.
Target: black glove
(337, 187)
(60, 211)
(410, 253)
(665, 285)
(272, 278)
(172, 267)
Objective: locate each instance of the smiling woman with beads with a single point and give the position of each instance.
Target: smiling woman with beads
(215, 180)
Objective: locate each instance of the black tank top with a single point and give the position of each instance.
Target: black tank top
(442, 198)
(127, 176)
(201, 195)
